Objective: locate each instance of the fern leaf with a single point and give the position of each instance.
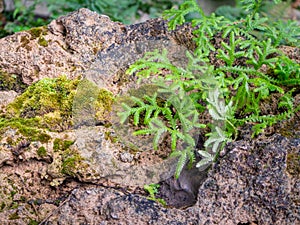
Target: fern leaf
(181, 163)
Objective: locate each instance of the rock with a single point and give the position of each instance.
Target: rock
(70, 44)
(254, 183)
(6, 97)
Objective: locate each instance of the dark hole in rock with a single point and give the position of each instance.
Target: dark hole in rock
(182, 192)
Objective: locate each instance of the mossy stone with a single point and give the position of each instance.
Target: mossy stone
(49, 99)
(42, 152)
(43, 42)
(61, 145)
(11, 82)
(36, 32)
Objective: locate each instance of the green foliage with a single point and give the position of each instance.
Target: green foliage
(281, 32)
(23, 17)
(152, 189)
(250, 69)
(49, 100)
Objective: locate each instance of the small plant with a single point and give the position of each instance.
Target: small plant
(251, 69)
(152, 189)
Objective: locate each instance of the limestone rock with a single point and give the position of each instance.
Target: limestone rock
(70, 44)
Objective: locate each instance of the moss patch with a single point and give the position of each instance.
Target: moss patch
(11, 82)
(27, 127)
(42, 152)
(50, 100)
(61, 145)
(14, 216)
(92, 104)
(37, 32)
(43, 42)
(103, 105)
(71, 163)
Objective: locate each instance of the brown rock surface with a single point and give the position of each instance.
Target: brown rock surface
(254, 183)
(70, 44)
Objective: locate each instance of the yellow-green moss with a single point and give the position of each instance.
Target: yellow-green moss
(36, 32)
(42, 151)
(14, 216)
(49, 99)
(43, 42)
(71, 160)
(92, 104)
(71, 163)
(108, 136)
(2, 206)
(27, 127)
(103, 104)
(61, 145)
(10, 82)
(33, 222)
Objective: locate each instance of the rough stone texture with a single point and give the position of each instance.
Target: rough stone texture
(6, 97)
(252, 184)
(72, 44)
(109, 206)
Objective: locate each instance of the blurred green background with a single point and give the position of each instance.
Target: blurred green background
(18, 15)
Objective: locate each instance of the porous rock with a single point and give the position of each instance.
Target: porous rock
(254, 183)
(70, 44)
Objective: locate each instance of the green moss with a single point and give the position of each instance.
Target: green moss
(9, 141)
(36, 32)
(27, 127)
(108, 136)
(72, 161)
(33, 222)
(49, 99)
(69, 164)
(43, 42)
(11, 82)
(42, 151)
(103, 105)
(92, 104)
(24, 40)
(2, 206)
(61, 145)
(14, 216)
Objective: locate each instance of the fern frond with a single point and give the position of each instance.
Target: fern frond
(183, 157)
(177, 16)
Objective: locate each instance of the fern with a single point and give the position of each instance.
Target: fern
(232, 94)
(263, 52)
(232, 54)
(177, 16)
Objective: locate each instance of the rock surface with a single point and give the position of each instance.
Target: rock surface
(70, 44)
(254, 183)
(84, 177)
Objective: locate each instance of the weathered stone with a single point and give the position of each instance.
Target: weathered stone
(70, 44)
(252, 184)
